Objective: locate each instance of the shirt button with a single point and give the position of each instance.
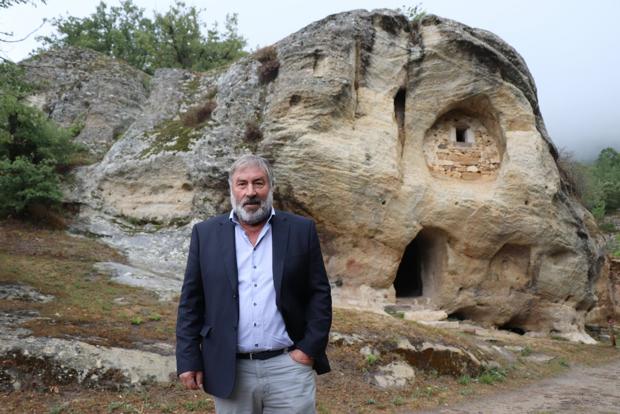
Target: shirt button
(254, 267)
(256, 345)
(254, 323)
(255, 285)
(254, 303)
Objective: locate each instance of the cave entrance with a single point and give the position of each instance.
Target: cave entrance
(421, 264)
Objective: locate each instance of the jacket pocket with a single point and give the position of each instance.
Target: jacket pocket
(204, 332)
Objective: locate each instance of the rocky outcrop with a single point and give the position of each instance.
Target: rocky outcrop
(98, 97)
(419, 149)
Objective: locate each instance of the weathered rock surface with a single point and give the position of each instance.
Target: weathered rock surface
(419, 149)
(40, 362)
(100, 96)
(395, 374)
(23, 293)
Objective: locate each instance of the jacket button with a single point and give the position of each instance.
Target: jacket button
(235, 296)
(234, 328)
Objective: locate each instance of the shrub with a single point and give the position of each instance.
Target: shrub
(196, 116)
(492, 375)
(270, 66)
(24, 183)
(32, 149)
(252, 132)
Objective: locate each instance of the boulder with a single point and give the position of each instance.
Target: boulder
(418, 147)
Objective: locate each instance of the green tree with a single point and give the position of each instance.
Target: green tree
(606, 177)
(173, 39)
(32, 148)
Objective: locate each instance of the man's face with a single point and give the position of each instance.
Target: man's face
(251, 195)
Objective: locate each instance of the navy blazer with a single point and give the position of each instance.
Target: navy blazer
(208, 313)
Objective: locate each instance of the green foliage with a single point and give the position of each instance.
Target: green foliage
(23, 183)
(136, 320)
(155, 317)
(173, 40)
(492, 375)
(371, 359)
(464, 380)
(32, 148)
(606, 178)
(598, 185)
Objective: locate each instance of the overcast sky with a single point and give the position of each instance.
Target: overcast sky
(571, 47)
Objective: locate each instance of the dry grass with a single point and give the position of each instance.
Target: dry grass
(58, 264)
(61, 265)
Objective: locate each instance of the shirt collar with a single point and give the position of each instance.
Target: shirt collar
(233, 217)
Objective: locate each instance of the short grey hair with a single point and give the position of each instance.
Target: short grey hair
(254, 161)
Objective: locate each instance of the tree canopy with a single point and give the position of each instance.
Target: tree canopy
(32, 148)
(174, 39)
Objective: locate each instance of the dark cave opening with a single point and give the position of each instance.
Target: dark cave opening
(408, 282)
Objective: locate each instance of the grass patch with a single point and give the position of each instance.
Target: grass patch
(199, 405)
(121, 407)
(371, 359)
(464, 380)
(58, 264)
(492, 375)
(154, 317)
(172, 135)
(527, 351)
(136, 320)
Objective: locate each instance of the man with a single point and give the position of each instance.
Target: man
(255, 307)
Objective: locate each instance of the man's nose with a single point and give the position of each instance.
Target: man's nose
(251, 190)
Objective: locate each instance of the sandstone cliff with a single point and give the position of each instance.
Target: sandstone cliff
(419, 149)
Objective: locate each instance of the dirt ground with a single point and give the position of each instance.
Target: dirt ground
(592, 390)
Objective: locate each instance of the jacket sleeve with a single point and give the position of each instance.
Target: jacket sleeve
(319, 309)
(191, 312)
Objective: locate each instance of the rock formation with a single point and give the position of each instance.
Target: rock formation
(419, 149)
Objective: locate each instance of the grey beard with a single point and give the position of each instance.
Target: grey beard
(261, 214)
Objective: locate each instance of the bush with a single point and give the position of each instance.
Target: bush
(197, 115)
(597, 185)
(252, 132)
(32, 149)
(270, 66)
(23, 183)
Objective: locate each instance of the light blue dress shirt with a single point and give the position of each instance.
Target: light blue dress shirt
(261, 326)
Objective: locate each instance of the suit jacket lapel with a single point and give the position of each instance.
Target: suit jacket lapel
(279, 229)
(229, 252)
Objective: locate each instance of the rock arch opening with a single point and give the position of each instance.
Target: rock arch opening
(422, 264)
